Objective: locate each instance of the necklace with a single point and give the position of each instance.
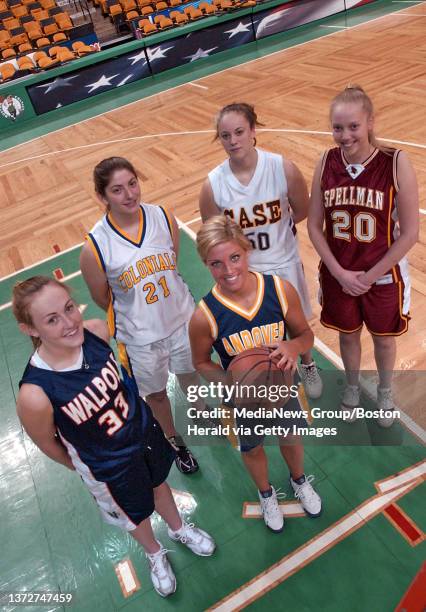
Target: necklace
(84, 364)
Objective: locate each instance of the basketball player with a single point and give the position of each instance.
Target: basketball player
(240, 303)
(129, 265)
(366, 194)
(266, 195)
(76, 409)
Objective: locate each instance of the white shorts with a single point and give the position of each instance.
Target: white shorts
(152, 363)
(294, 274)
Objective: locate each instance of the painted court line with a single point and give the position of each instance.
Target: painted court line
(368, 22)
(197, 85)
(42, 261)
(193, 221)
(337, 27)
(415, 472)
(306, 553)
(127, 578)
(253, 509)
(188, 133)
(404, 524)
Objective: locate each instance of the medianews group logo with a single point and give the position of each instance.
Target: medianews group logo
(11, 107)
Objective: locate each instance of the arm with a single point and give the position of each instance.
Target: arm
(297, 190)
(349, 280)
(302, 338)
(408, 212)
(95, 278)
(201, 348)
(99, 328)
(208, 207)
(36, 415)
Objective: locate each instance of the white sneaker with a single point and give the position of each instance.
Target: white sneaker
(197, 540)
(385, 404)
(350, 402)
(162, 575)
(311, 380)
(271, 511)
(308, 497)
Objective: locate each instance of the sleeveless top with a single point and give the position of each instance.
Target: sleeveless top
(149, 298)
(262, 210)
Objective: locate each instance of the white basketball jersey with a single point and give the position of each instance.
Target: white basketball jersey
(262, 210)
(149, 298)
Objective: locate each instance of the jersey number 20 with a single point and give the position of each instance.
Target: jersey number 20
(364, 226)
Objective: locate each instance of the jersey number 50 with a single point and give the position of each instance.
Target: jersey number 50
(259, 240)
(364, 226)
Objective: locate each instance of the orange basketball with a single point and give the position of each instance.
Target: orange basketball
(255, 366)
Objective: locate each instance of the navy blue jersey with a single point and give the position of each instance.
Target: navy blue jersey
(235, 329)
(100, 420)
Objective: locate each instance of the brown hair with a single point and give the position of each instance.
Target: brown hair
(218, 229)
(22, 294)
(247, 110)
(354, 94)
(104, 170)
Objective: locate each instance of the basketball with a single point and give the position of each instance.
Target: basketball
(255, 367)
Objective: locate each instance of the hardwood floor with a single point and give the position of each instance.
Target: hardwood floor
(46, 193)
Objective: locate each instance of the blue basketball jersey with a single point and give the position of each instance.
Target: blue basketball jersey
(235, 329)
(100, 420)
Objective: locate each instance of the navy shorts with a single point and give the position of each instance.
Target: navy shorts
(128, 499)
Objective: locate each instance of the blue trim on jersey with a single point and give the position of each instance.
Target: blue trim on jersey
(167, 221)
(235, 328)
(98, 250)
(132, 242)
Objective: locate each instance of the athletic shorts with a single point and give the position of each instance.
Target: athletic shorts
(294, 274)
(248, 441)
(151, 363)
(128, 499)
(384, 308)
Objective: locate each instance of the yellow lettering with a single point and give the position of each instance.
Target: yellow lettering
(257, 336)
(275, 332)
(141, 266)
(228, 348)
(236, 343)
(247, 339)
(266, 333)
(162, 263)
(135, 279)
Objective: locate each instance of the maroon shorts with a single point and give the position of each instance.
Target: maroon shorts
(381, 308)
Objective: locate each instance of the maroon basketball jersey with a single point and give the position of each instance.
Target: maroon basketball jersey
(360, 208)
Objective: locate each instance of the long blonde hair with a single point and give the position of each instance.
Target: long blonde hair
(22, 294)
